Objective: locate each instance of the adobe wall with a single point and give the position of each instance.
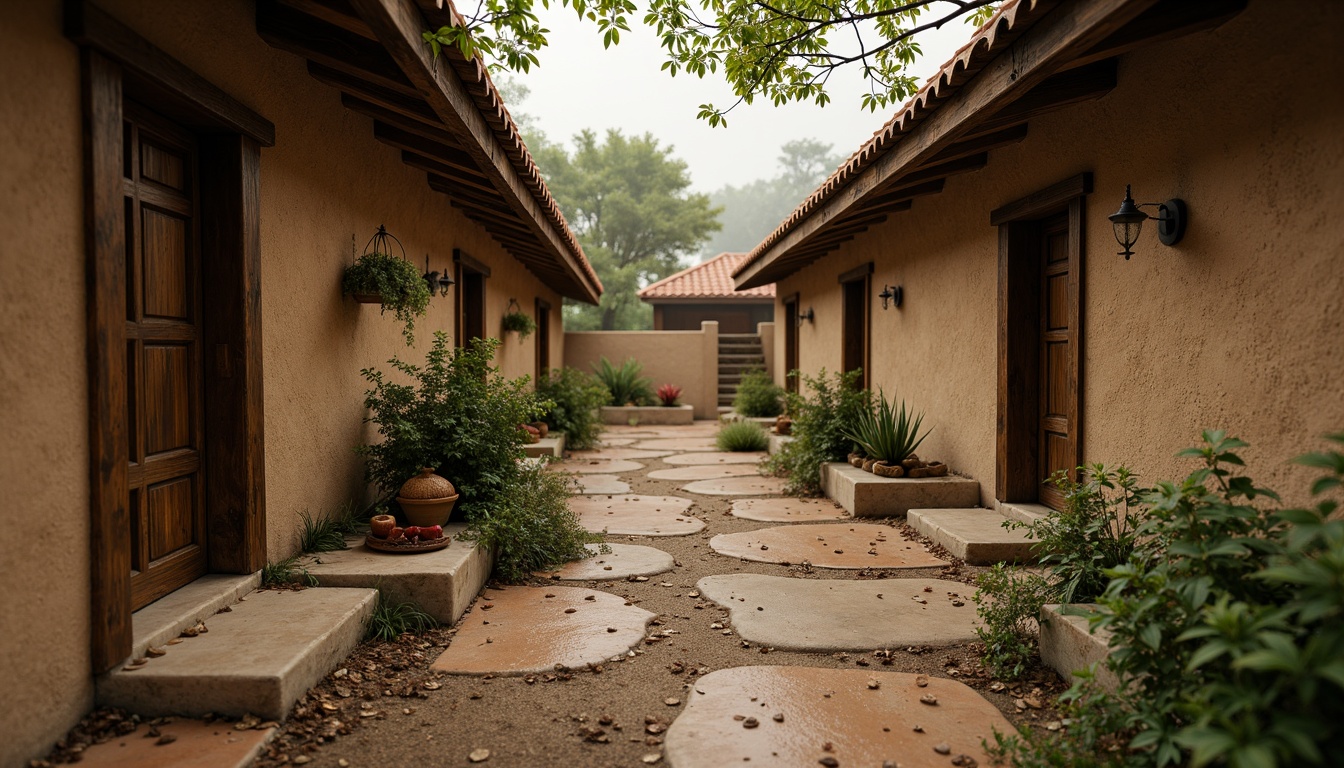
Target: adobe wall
(688, 359)
(325, 188)
(1238, 326)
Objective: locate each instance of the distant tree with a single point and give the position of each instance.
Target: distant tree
(629, 201)
(781, 50)
(753, 210)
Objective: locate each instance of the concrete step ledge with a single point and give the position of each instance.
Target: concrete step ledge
(777, 443)
(648, 414)
(553, 444)
(1022, 511)
(976, 536)
(258, 658)
(867, 495)
(165, 618)
(764, 421)
(1068, 644)
(442, 583)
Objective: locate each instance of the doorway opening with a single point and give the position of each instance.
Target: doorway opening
(855, 284)
(471, 275)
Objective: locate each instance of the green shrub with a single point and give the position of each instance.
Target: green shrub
(758, 396)
(396, 281)
(742, 436)
(888, 435)
(457, 414)
(390, 620)
(521, 322)
(575, 398)
(819, 426)
(531, 528)
(624, 384)
(1227, 629)
(1008, 603)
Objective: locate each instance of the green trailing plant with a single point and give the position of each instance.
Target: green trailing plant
(575, 399)
(391, 620)
(520, 322)
(1227, 629)
(456, 413)
(624, 384)
(283, 573)
(396, 282)
(1008, 602)
(887, 434)
(820, 423)
(532, 528)
(758, 396)
(742, 436)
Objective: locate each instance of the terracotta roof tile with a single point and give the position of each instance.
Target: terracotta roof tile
(710, 279)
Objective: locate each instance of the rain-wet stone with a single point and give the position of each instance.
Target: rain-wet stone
(530, 632)
(635, 515)
(181, 744)
(704, 472)
(623, 561)
(854, 545)
(865, 726)
(788, 510)
(715, 457)
(737, 486)
(842, 615)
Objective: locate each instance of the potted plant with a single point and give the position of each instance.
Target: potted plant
(520, 322)
(668, 394)
(888, 437)
(427, 499)
(378, 277)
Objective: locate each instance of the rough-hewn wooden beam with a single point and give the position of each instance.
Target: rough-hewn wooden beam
(1167, 20)
(451, 156)
(313, 39)
(1071, 87)
(980, 143)
(1062, 36)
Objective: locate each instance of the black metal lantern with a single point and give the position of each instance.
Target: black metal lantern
(892, 294)
(438, 283)
(808, 316)
(1128, 222)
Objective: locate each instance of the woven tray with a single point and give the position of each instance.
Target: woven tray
(430, 545)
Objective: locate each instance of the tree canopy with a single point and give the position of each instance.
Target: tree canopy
(780, 50)
(629, 202)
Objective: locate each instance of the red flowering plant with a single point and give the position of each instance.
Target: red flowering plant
(668, 394)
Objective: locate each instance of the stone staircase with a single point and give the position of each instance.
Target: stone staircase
(739, 353)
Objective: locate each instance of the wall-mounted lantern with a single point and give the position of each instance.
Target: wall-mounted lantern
(809, 316)
(1128, 222)
(438, 283)
(893, 294)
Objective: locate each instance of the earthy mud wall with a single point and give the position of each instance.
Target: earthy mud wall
(1238, 326)
(689, 359)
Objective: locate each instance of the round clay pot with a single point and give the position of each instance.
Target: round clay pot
(427, 499)
(867, 465)
(382, 525)
(783, 425)
(856, 460)
(542, 428)
(883, 469)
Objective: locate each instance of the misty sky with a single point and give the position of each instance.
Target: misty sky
(580, 85)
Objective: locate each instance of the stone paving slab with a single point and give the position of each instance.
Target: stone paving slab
(678, 444)
(616, 442)
(976, 535)
(195, 744)
(788, 510)
(865, 725)
(622, 561)
(737, 486)
(596, 466)
(834, 615)
(522, 630)
(858, 545)
(592, 484)
(705, 472)
(636, 515)
(618, 453)
(716, 457)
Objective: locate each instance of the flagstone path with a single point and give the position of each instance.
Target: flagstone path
(856, 545)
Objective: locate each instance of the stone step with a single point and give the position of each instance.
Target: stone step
(867, 495)
(258, 658)
(975, 535)
(553, 444)
(1068, 644)
(165, 618)
(443, 583)
(1022, 511)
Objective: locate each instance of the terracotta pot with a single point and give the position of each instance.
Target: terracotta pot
(542, 427)
(427, 499)
(426, 485)
(783, 425)
(867, 465)
(382, 525)
(883, 469)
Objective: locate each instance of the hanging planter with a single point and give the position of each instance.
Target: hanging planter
(378, 277)
(516, 320)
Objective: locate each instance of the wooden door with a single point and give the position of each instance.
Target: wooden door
(163, 356)
(471, 292)
(791, 343)
(1057, 435)
(543, 339)
(855, 353)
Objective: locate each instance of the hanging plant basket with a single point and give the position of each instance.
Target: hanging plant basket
(378, 277)
(517, 320)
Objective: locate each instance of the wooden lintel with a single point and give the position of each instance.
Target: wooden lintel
(1063, 35)
(295, 32)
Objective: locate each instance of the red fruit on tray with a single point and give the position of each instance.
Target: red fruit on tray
(382, 525)
(395, 533)
(432, 532)
(412, 531)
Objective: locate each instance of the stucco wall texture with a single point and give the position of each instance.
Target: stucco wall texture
(325, 188)
(689, 359)
(1237, 327)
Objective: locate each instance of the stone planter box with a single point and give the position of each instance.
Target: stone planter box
(648, 414)
(777, 442)
(553, 444)
(765, 421)
(867, 495)
(1067, 644)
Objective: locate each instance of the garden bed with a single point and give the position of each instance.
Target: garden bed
(867, 495)
(648, 414)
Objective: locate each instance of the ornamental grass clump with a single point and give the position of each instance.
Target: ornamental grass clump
(574, 398)
(742, 436)
(758, 396)
(820, 423)
(887, 434)
(624, 384)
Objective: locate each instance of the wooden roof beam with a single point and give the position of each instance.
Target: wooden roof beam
(411, 107)
(979, 143)
(1167, 20)
(316, 40)
(449, 173)
(1069, 87)
(334, 12)
(449, 155)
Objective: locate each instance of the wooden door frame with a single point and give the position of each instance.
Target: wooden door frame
(1017, 458)
(116, 63)
(862, 273)
(543, 351)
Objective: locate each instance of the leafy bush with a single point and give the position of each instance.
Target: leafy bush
(1008, 603)
(396, 281)
(457, 414)
(531, 528)
(390, 620)
(742, 436)
(758, 396)
(520, 322)
(574, 398)
(887, 434)
(668, 394)
(624, 384)
(1228, 629)
(819, 426)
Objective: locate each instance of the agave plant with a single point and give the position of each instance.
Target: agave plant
(887, 434)
(668, 394)
(624, 382)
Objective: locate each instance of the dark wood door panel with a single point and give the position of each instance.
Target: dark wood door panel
(1057, 387)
